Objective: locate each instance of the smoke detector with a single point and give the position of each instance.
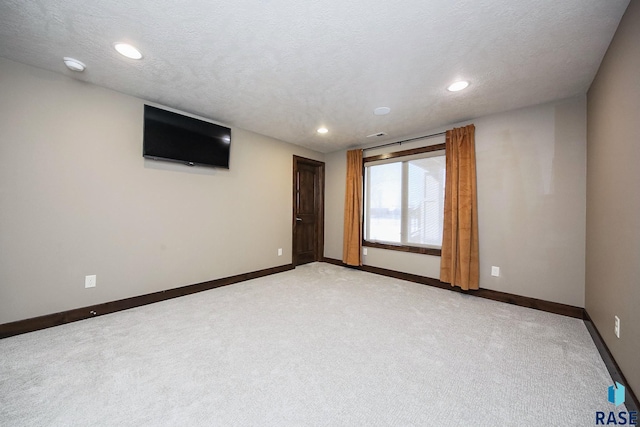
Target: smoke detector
(74, 64)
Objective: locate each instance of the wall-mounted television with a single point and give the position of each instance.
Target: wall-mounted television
(176, 138)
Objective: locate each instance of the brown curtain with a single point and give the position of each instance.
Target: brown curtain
(351, 247)
(459, 263)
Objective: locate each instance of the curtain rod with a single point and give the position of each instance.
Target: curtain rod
(406, 140)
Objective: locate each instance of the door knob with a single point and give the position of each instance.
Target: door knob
(298, 219)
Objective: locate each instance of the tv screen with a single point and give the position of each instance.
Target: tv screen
(177, 138)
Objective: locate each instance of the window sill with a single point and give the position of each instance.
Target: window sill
(401, 248)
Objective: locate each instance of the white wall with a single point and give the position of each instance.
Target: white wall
(78, 198)
(531, 169)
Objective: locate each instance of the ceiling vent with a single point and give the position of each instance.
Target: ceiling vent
(377, 135)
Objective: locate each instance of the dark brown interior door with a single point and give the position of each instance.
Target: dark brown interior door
(308, 210)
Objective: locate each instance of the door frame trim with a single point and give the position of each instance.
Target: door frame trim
(320, 167)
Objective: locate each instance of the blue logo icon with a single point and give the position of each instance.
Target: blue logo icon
(616, 394)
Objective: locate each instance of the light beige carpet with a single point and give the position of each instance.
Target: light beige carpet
(321, 346)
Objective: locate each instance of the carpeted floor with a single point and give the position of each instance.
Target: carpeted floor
(321, 345)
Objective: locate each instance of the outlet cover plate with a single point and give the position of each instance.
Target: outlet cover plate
(495, 271)
(90, 281)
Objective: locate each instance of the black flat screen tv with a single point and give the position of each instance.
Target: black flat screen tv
(176, 138)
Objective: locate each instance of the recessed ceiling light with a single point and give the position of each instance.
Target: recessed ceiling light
(381, 111)
(323, 130)
(74, 64)
(458, 86)
(127, 50)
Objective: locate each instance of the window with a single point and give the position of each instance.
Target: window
(404, 200)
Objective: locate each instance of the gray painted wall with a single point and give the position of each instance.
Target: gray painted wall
(531, 168)
(613, 196)
(77, 198)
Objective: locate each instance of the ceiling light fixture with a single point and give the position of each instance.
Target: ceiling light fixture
(381, 111)
(458, 86)
(323, 130)
(127, 50)
(74, 64)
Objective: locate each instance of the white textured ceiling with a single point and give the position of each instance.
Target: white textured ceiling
(283, 68)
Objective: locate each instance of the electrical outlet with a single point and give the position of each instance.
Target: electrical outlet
(616, 328)
(279, 251)
(364, 251)
(495, 271)
(90, 281)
